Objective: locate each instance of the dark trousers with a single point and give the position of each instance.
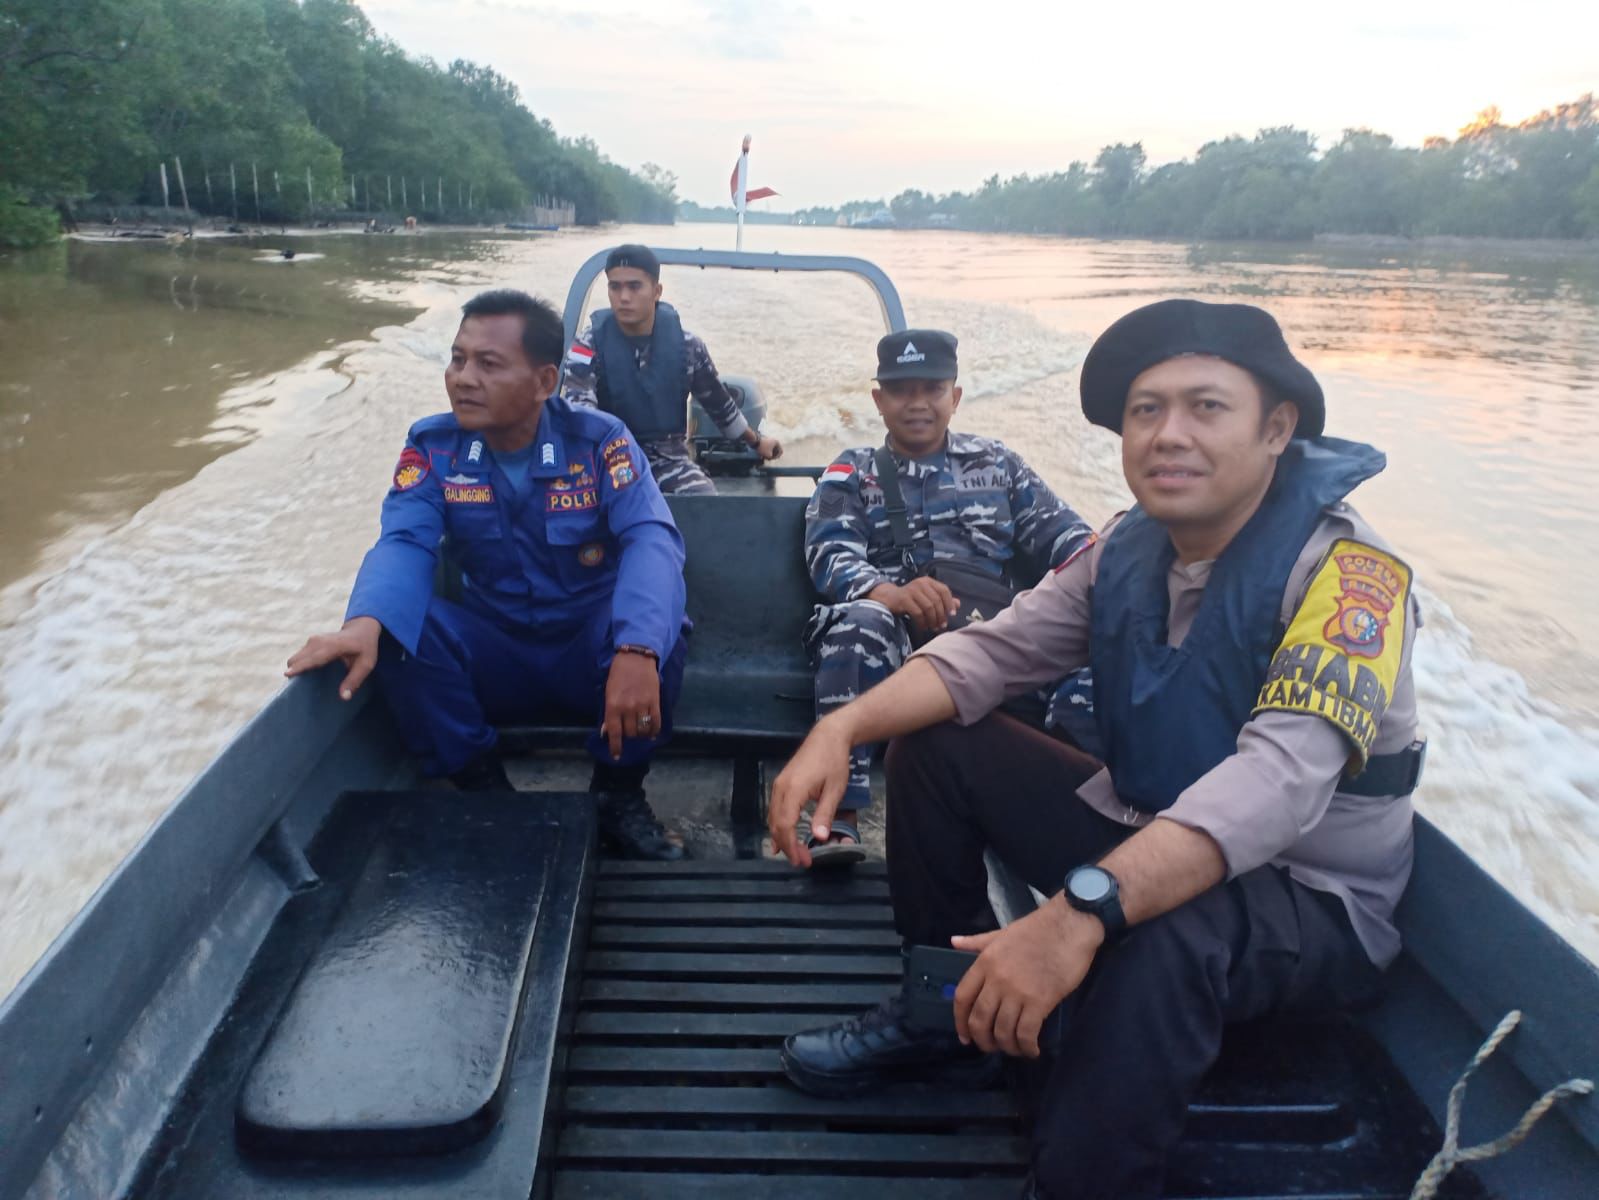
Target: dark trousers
(1137, 1037)
(469, 674)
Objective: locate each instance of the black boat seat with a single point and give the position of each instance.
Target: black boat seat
(748, 677)
(397, 1037)
(748, 674)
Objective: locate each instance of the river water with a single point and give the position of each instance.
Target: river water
(194, 441)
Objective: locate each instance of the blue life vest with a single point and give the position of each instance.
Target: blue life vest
(1168, 714)
(651, 402)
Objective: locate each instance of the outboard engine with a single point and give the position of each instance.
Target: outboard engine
(750, 402)
(715, 453)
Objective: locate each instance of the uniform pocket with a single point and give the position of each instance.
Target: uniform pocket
(574, 530)
(582, 548)
(477, 541)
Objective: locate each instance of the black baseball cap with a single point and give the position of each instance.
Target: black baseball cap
(1244, 335)
(641, 258)
(916, 354)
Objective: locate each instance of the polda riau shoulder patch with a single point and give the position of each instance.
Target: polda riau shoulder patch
(1340, 657)
(621, 473)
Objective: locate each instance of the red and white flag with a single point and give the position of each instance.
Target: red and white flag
(739, 184)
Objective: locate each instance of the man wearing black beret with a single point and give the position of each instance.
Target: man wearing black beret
(1244, 848)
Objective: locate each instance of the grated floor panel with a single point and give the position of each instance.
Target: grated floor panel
(696, 971)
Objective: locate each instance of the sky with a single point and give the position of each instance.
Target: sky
(852, 100)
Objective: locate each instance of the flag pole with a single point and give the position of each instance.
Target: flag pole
(739, 200)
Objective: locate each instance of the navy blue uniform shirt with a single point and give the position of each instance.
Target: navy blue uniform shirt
(592, 529)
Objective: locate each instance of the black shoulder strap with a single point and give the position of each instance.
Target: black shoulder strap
(894, 501)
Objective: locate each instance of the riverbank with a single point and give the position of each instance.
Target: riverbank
(182, 232)
(1531, 247)
(1539, 248)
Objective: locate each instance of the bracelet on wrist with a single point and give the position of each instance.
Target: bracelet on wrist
(644, 650)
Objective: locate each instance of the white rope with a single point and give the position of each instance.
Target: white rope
(1451, 1155)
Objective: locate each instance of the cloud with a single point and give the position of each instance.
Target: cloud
(847, 99)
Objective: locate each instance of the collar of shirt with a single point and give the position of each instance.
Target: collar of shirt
(549, 459)
(928, 464)
(514, 467)
(1185, 587)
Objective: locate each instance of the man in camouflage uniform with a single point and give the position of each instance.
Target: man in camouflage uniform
(970, 500)
(636, 361)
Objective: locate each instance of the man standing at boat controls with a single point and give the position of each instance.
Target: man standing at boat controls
(971, 506)
(1244, 848)
(637, 361)
(571, 573)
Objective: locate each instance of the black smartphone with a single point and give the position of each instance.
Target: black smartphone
(931, 976)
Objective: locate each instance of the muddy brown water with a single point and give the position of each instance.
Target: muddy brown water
(194, 441)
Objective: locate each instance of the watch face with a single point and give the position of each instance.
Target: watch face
(1089, 884)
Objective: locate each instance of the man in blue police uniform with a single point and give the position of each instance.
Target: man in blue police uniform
(971, 504)
(1245, 846)
(637, 361)
(571, 571)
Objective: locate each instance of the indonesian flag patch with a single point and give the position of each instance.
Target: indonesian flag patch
(580, 352)
(838, 473)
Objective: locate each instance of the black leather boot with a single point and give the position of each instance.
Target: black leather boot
(879, 1047)
(485, 773)
(628, 826)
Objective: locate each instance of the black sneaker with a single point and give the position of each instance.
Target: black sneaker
(485, 773)
(879, 1047)
(629, 828)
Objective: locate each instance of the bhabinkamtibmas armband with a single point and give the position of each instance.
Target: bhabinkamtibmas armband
(1340, 656)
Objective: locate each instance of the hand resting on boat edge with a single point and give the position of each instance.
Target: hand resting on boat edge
(572, 604)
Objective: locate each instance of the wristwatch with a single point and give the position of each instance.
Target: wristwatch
(1093, 890)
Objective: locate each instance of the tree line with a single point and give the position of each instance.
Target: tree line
(96, 94)
(1536, 179)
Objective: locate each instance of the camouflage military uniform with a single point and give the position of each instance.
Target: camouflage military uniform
(976, 503)
(671, 460)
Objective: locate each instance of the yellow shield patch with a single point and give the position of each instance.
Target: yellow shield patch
(1340, 657)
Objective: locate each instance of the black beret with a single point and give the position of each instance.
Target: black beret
(1242, 334)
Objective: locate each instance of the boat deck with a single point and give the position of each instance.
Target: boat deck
(652, 1005)
(696, 971)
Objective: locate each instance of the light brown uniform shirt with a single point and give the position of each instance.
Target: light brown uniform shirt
(1274, 800)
